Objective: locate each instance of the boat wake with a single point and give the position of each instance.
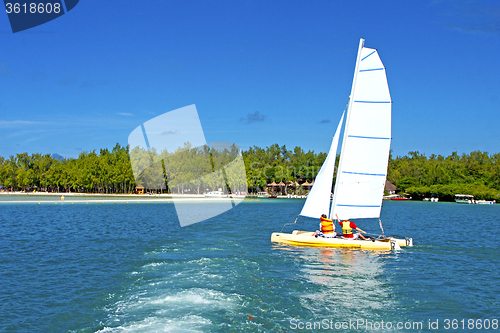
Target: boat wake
(167, 295)
(154, 311)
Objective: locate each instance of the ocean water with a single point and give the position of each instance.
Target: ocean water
(118, 267)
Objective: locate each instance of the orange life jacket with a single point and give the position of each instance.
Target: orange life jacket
(326, 225)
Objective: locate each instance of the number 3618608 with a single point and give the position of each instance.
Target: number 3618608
(32, 8)
(471, 324)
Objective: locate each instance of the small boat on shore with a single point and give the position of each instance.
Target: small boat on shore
(486, 202)
(400, 199)
(215, 194)
(433, 198)
(469, 199)
(464, 198)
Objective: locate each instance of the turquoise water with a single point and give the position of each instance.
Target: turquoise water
(131, 268)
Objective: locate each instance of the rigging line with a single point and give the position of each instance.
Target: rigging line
(376, 236)
(382, 228)
(289, 223)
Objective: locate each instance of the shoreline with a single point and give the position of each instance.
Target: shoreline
(74, 194)
(86, 198)
(142, 196)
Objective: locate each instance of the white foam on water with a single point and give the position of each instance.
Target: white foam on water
(186, 324)
(166, 311)
(173, 293)
(154, 264)
(190, 297)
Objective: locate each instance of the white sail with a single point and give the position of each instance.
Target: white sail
(318, 200)
(365, 148)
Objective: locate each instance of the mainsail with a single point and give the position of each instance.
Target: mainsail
(318, 200)
(364, 156)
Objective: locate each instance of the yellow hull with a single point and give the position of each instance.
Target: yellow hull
(306, 238)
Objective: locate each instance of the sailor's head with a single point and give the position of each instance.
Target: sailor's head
(323, 216)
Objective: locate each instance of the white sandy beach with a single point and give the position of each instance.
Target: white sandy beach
(44, 197)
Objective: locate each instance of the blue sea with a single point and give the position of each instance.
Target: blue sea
(100, 266)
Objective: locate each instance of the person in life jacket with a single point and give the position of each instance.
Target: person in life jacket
(347, 227)
(327, 228)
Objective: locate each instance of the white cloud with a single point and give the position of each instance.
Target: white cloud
(18, 123)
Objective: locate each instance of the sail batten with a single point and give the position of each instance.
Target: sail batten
(360, 206)
(368, 55)
(368, 137)
(365, 174)
(373, 69)
(372, 102)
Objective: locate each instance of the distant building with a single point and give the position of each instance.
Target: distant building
(390, 187)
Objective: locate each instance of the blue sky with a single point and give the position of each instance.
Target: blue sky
(259, 72)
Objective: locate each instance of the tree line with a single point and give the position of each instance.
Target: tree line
(187, 170)
(477, 173)
(190, 169)
(197, 169)
(103, 172)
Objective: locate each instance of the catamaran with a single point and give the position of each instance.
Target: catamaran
(362, 169)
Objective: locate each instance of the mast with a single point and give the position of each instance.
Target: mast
(358, 59)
